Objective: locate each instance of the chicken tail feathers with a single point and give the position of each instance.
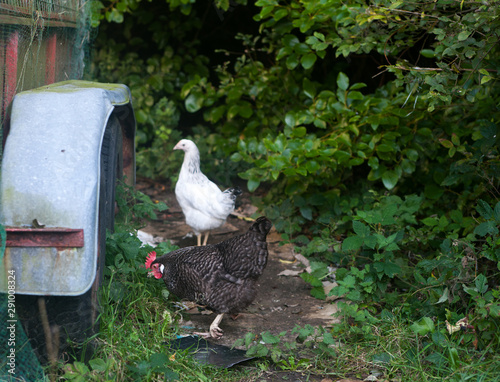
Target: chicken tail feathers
(262, 225)
(233, 192)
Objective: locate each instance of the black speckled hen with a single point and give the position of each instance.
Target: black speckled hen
(222, 276)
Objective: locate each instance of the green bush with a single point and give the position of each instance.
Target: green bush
(371, 128)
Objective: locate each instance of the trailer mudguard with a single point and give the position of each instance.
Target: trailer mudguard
(50, 177)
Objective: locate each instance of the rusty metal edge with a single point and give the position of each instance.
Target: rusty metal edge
(44, 237)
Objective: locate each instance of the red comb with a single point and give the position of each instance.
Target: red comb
(151, 257)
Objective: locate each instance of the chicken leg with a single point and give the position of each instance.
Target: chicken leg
(215, 331)
(206, 238)
(198, 239)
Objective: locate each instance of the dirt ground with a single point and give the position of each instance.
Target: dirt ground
(282, 301)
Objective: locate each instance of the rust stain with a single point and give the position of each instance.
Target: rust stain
(45, 237)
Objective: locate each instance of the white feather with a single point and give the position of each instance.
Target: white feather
(204, 205)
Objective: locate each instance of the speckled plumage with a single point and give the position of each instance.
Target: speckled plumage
(220, 276)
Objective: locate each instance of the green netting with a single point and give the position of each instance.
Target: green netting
(18, 362)
(41, 42)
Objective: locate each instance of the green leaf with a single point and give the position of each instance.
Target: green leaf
(306, 212)
(309, 88)
(444, 297)
(446, 143)
(485, 79)
(352, 243)
(299, 132)
(292, 61)
(428, 53)
(290, 41)
(342, 81)
(268, 338)
(318, 292)
(388, 268)
(360, 229)
(481, 284)
(290, 120)
(494, 310)
(430, 222)
(424, 326)
(252, 184)
(309, 278)
(308, 60)
(390, 179)
(194, 102)
(280, 13)
(484, 209)
(433, 191)
(486, 228)
(245, 110)
(98, 364)
(453, 358)
(464, 35)
(496, 213)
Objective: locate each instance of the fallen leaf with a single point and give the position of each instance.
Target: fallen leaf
(302, 259)
(327, 287)
(290, 272)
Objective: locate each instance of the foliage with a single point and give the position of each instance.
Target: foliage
(309, 340)
(372, 129)
(134, 207)
(150, 52)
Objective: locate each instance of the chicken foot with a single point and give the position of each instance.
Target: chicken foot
(215, 331)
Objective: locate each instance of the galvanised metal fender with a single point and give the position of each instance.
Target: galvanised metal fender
(50, 175)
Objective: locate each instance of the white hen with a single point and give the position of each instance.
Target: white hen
(204, 205)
